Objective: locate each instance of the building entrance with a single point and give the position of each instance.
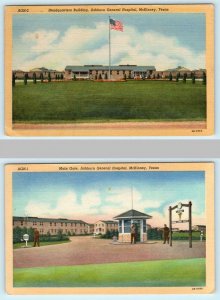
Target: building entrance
(137, 229)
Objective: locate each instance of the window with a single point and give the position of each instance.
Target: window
(41, 223)
(22, 223)
(55, 224)
(50, 223)
(117, 72)
(65, 224)
(120, 226)
(61, 224)
(144, 226)
(127, 226)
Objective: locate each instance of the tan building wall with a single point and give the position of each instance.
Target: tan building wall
(53, 227)
(103, 227)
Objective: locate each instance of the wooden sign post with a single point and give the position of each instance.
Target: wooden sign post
(179, 211)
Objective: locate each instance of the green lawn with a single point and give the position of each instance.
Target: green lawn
(87, 101)
(170, 273)
(30, 244)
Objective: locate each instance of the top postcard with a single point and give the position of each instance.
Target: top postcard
(109, 70)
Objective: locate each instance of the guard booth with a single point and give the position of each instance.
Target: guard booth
(128, 218)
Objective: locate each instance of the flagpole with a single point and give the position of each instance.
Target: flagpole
(109, 42)
(132, 197)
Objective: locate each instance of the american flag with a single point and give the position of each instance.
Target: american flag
(116, 25)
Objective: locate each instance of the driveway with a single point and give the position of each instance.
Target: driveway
(88, 250)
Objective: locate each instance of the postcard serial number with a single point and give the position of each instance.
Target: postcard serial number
(23, 10)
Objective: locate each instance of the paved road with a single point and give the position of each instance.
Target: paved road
(89, 250)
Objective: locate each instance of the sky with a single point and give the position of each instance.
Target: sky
(93, 196)
(56, 40)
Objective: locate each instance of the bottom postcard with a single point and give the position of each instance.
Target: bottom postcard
(110, 228)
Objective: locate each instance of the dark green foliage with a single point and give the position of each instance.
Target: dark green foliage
(100, 76)
(109, 234)
(41, 77)
(170, 77)
(177, 76)
(18, 233)
(74, 77)
(106, 76)
(184, 77)
(61, 76)
(13, 79)
(49, 77)
(154, 234)
(193, 78)
(25, 78)
(48, 235)
(204, 78)
(158, 76)
(60, 235)
(34, 78)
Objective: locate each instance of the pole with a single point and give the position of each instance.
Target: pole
(109, 42)
(190, 224)
(132, 197)
(170, 225)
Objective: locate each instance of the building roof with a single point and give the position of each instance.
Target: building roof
(133, 214)
(88, 68)
(109, 222)
(36, 219)
(178, 69)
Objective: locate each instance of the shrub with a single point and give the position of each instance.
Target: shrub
(204, 78)
(41, 77)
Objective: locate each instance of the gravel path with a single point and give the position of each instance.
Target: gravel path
(89, 250)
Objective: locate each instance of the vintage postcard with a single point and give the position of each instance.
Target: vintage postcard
(110, 228)
(109, 70)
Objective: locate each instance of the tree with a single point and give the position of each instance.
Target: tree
(49, 77)
(25, 78)
(158, 76)
(204, 78)
(100, 76)
(184, 77)
(48, 236)
(13, 79)
(61, 76)
(60, 235)
(125, 77)
(41, 77)
(193, 78)
(177, 76)
(106, 76)
(170, 77)
(74, 77)
(34, 78)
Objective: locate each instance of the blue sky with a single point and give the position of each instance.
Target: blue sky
(102, 195)
(163, 40)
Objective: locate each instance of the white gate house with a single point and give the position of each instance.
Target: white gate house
(132, 217)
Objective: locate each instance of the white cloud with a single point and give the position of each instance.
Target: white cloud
(79, 46)
(42, 40)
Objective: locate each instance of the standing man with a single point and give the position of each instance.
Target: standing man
(133, 234)
(36, 237)
(166, 232)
